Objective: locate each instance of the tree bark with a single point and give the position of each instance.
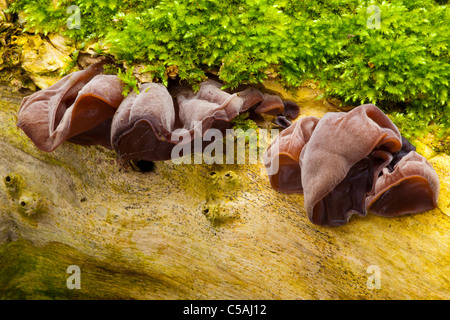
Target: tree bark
(196, 231)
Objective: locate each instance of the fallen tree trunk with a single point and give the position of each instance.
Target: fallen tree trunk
(196, 231)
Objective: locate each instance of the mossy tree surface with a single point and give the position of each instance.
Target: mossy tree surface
(220, 231)
(402, 66)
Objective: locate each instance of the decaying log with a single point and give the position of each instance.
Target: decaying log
(197, 231)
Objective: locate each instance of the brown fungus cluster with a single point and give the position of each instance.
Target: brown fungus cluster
(345, 163)
(87, 107)
(351, 163)
(78, 108)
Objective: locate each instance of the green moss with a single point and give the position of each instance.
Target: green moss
(242, 122)
(129, 81)
(71, 64)
(110, 69)
(255, 40)
(402, 66)
(432, 126)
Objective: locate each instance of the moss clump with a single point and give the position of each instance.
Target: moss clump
(129, 81)
(432, 126)
(400, 61)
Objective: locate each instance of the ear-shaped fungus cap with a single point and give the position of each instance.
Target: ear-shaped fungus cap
(143, 124)
(215, 108)
(271, 104)
(353, 162)
(282, 156)
(268, 104)
(412, 187)
(344, 156)
(78, 108)
(210, 107)
(251, 96)
(291, 109)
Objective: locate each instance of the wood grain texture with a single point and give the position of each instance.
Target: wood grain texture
(197, 231)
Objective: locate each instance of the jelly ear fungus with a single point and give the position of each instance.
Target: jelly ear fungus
(78, 108)
(148, 125)
(351, 163)
(284, 154)
(143, 124)
(81, 108)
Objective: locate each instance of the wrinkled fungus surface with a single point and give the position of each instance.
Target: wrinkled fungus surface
(143, 124)
(148, 125)
(87, 107)
(78, 108)
(351, 163)
(345, 163)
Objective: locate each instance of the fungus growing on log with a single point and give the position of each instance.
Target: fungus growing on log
(351, 163)
(412, 186)
(148, 126)
(288, 145)
(210, 106)
(143, 124)
(81, 108)
(78, 108)
(291, 109)
(270, 104)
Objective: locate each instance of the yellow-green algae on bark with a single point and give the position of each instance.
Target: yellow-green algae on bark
(149, 235)
(43, 60)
